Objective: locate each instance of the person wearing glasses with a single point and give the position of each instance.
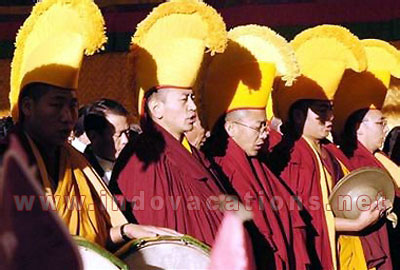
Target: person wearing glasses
(302, 157)
(106, 126)
(235, 109)
(360, 129)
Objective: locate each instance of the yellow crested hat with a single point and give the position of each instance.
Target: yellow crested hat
(383, 59)
(242, 77)
(168, 46)
(324, 53)
(51, 43)
(391, 105)
(367, 89)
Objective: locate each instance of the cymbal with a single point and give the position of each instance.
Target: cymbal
(356, 191)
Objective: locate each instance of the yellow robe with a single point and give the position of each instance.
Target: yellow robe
(81, 198)
(349, 248)
(326, 186)
(390, 166)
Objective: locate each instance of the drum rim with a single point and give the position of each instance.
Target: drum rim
(81, 241)
(137, 244)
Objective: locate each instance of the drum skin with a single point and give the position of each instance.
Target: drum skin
(166, 252)
(95, 257)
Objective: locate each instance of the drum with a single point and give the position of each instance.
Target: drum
(95, 257)
(165, 252)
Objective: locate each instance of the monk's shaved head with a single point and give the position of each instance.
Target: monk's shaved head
(244, 114)
(247, 127)
(158, 96)
(236, 115)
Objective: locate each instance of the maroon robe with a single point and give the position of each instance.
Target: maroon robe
(296, 164)
(376, 243)
(280, 223)
(170, 186)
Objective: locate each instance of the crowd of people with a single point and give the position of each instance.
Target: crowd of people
(274, 124)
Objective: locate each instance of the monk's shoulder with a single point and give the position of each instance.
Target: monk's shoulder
(227, 167)
(293, 156)
(145, 149)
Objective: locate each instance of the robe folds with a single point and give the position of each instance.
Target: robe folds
(275, 210)
(34, 239)
(80, 198)
(165, 185)
(375, 241)
(296, 163)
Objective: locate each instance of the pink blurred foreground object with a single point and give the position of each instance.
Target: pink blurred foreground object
(30, 237)
(232, 247)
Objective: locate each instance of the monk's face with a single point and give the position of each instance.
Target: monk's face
(318, 124)
(372, 130)
(51, 118)
(248, 129)
(174, 110)
(198, 135)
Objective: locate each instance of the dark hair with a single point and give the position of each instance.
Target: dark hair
(348, 139)
(108, 105)
(34, 91)
(217, 143)
(294, 126)
(392, 145)
(146, 123)
(95, 119)
(79, 127)
(292, 130)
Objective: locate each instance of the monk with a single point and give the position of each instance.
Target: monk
(63, 172)
(44, 107)
(235, 95)
(300, 156)
(22, 241)
(359, 130)
(238, 139)
(164, 183)
(301, 159)
(363, 136)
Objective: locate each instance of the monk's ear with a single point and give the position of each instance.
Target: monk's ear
(27, 106)
(156, 108)
(230, 128)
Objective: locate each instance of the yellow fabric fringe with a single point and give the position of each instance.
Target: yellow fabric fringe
(382, 56)
(216, 40)
(93, 33)
(342, 36)
(287, 66)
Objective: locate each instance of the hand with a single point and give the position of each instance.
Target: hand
(135, 231)
(372, 215)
